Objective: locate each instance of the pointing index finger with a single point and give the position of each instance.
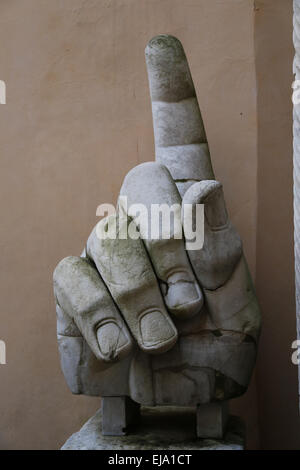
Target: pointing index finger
(180, 138)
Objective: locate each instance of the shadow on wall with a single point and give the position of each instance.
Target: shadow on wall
(276, 375)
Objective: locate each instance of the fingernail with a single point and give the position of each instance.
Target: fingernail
(184, 298)
(111, 340)
(157, 331)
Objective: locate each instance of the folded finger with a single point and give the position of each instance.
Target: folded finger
(126, 270)
(151, 185)
(82, 295)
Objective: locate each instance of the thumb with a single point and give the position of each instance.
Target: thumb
(210, 194)
(215, 261)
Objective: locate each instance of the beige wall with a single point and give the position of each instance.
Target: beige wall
(77, 119)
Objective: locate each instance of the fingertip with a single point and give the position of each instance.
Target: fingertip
(184, 299)
(158, 334)
(200, 191)
(168, 70)
(114, 342)
(161, 42)
(209, 193)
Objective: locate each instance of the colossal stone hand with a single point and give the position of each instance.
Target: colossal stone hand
(147, 319)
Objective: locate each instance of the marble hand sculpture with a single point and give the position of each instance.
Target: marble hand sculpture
(143, 321)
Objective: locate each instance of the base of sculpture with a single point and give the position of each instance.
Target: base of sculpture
(119, 414)
(159, 428)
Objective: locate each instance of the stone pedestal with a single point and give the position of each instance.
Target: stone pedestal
(160, 428)
(118, 413)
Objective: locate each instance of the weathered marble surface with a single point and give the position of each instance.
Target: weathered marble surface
(172, 429)
(151, 183)
(153, 319)
(180, 138)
